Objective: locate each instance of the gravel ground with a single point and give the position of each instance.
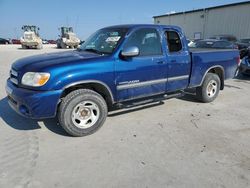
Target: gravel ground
(178, 143)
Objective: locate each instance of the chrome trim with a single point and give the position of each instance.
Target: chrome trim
(88, 82)
(141, 84)
(13, 80)
(130, 51)
(216, 66)
(151, 82)
(176, 78)
(14, 73)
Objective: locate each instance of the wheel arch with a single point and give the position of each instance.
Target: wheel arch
(97, 86)
(219, 70)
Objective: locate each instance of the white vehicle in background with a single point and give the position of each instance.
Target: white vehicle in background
(191, 43)
(31, 38)
(68, 38)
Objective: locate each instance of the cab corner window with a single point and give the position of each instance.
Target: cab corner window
(173, 41)
(147, 40)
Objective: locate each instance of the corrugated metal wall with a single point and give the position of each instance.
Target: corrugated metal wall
(233, 20)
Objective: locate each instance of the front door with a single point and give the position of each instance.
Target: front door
(143, 75)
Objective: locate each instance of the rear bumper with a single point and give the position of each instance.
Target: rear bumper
(33, 104)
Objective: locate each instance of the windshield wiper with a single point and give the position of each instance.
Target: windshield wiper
(93, 50)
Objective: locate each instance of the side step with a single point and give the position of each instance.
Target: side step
(148, 100)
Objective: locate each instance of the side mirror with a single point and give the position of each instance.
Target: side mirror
(38, 28)
(130, 51)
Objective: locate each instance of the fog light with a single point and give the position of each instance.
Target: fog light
(24, 110)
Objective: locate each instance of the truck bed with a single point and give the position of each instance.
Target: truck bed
(203, 59)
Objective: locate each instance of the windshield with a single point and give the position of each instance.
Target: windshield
(29, 28)
(104, 41)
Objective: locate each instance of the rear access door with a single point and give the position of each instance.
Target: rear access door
(178, 61)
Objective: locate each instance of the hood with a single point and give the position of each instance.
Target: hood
(51, 59)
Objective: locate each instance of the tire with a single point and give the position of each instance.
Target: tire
(39, 46)
(58, 45)
(209, 89)
(63, 46)
(82, 112)
(24, 47)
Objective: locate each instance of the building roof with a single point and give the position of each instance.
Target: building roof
(209, 8)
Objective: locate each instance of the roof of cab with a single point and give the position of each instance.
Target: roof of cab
(134, 26)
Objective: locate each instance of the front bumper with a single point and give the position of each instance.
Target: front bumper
(30, 43)
(69, 43)
(33, 104)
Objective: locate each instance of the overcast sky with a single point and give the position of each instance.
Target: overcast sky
(86, 16)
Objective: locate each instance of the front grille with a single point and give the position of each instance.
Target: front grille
(12, 100)
(28, 36)
(14, 76)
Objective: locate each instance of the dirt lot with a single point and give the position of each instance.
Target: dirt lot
(178, 143)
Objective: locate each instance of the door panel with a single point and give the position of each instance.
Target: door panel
(140, 76)
(145, 74)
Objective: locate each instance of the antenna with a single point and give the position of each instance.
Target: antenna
(77, 20)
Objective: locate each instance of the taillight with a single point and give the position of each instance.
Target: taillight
(238, 60)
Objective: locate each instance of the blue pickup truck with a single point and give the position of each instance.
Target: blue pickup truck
(118, 66)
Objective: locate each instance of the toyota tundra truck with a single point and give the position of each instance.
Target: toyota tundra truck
(117, 67)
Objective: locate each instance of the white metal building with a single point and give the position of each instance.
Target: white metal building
(231, 19)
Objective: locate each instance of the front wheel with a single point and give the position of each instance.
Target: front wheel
(82, 112)
(24, 47)
(209, 89)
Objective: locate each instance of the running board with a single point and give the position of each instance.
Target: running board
(148, 100)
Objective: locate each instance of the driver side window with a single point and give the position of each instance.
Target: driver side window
(147, 40)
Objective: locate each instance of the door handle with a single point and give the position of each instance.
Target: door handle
(173, 61)
(160, 62)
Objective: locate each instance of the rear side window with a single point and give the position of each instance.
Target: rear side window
(173, 41)
(147, 40)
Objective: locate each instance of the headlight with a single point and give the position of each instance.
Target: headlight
(35, 79)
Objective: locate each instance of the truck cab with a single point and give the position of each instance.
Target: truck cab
(67, 38)
(118, 66)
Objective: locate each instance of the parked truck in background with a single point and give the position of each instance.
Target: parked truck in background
(31, 38)
(119, 66)
(67, 38)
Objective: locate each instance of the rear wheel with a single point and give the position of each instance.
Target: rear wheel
(24, 47)
(82, 112)
(209, 89)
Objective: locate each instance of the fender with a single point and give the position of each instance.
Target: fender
(91, 82)
(216, 66)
